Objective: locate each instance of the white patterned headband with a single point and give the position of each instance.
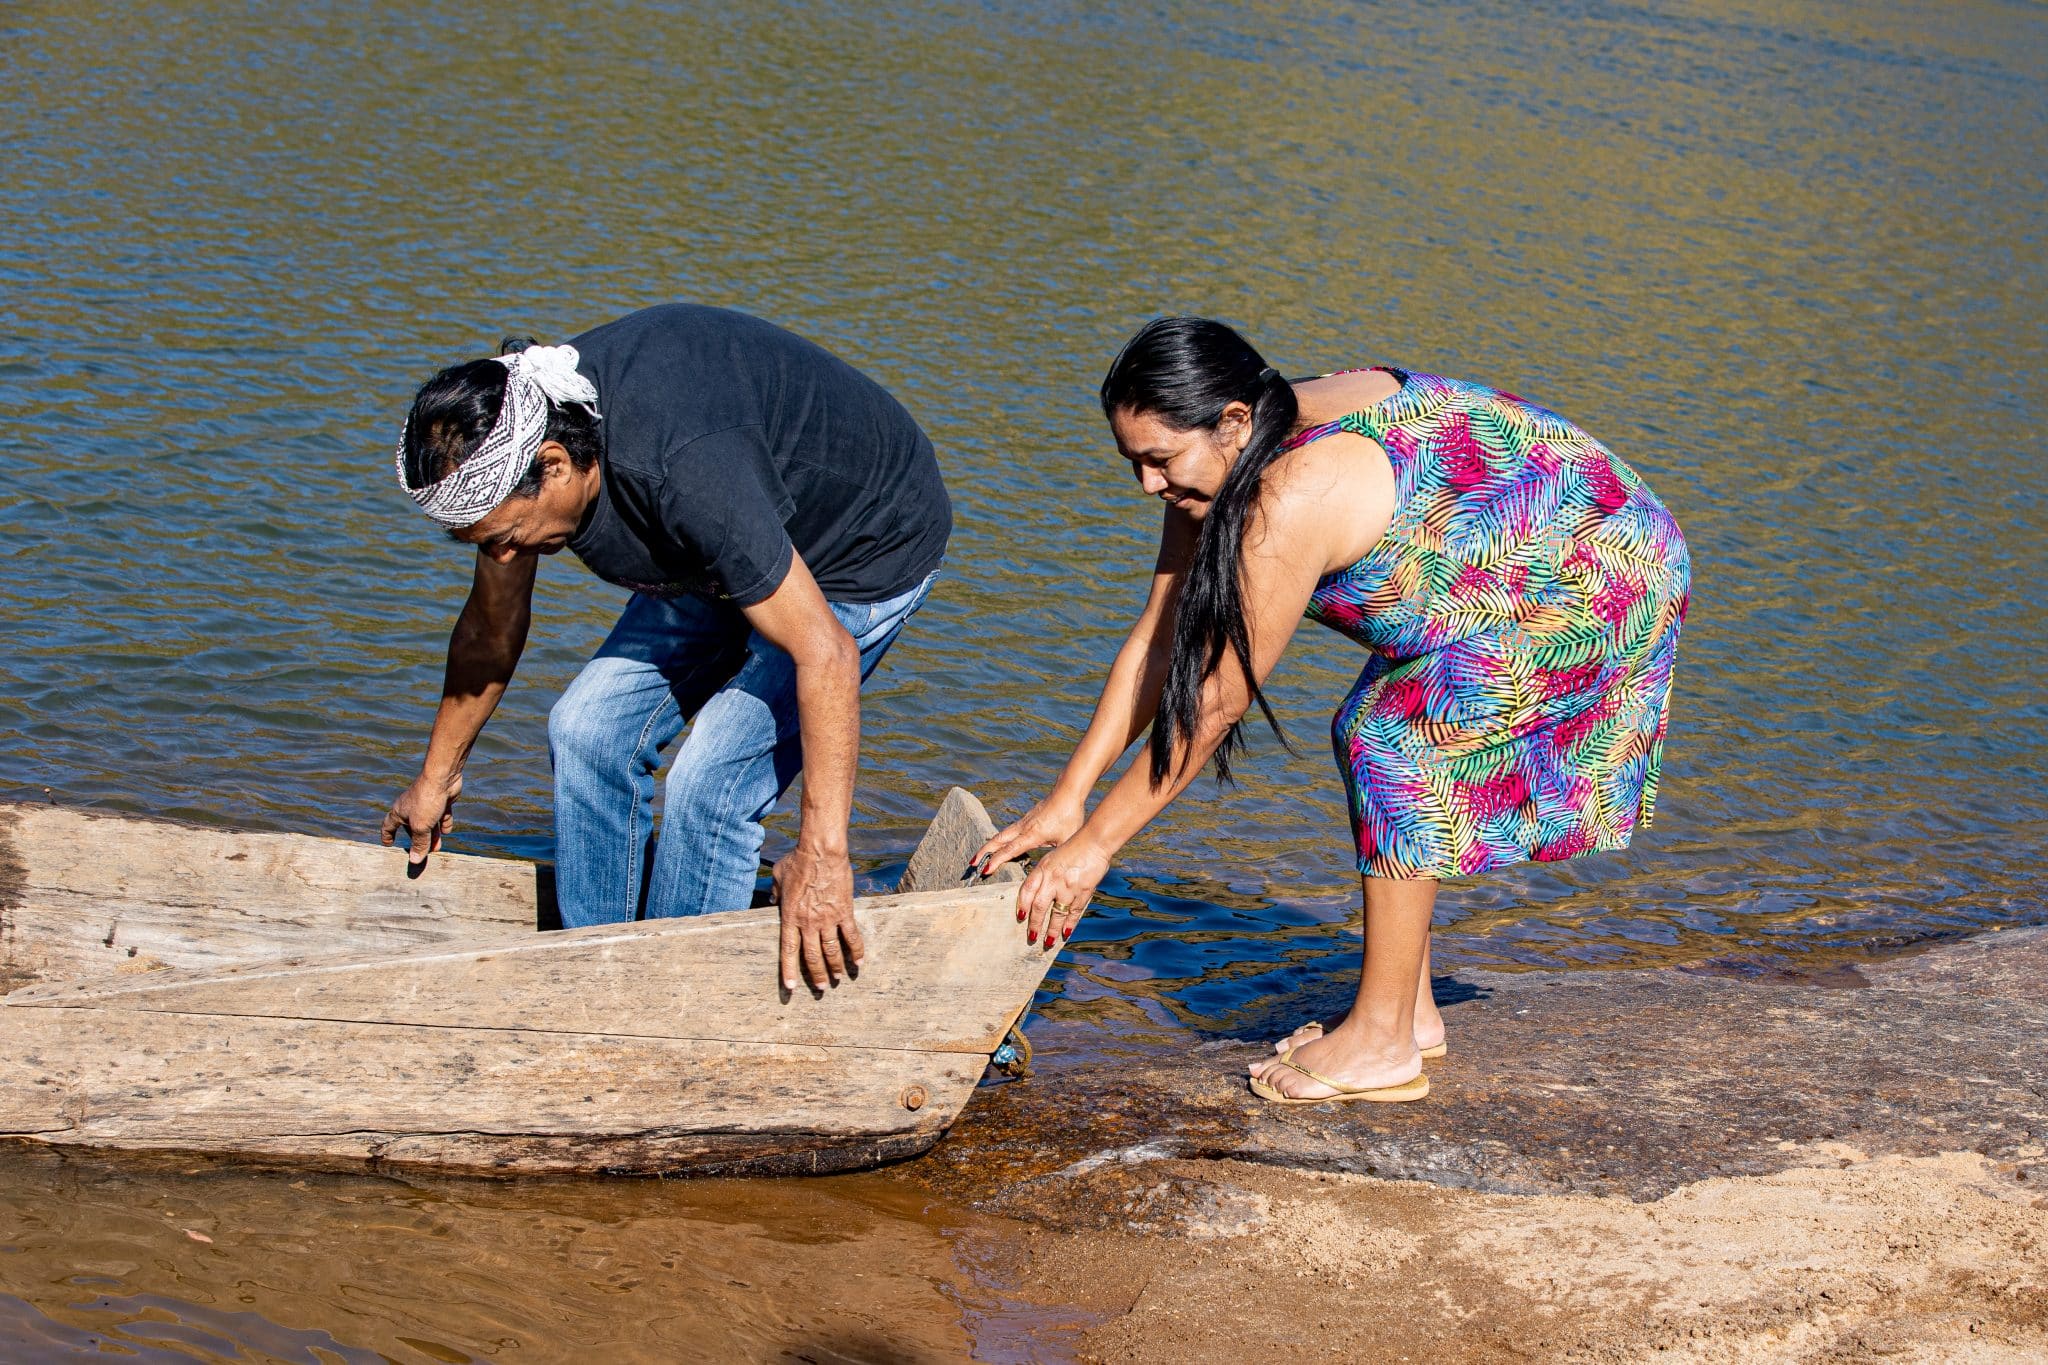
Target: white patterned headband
(534, 378)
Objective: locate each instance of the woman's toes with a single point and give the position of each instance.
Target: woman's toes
(1296, 1086)
(1307, 1033)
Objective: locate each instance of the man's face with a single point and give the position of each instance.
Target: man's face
(543, 523)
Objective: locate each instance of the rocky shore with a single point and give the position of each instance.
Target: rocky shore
(1611, 1164)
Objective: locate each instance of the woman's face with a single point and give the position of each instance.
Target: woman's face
(1181, 468)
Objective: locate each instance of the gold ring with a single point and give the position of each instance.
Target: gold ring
(1059, 907)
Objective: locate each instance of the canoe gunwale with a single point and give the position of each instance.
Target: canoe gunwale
(469, 1049)
(635, 980)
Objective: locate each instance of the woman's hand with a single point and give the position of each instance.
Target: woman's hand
(1052, 898)
(1052, 821)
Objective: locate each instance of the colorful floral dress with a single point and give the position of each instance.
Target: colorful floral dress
(1523, 612)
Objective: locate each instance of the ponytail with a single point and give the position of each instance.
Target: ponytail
(1186, 371)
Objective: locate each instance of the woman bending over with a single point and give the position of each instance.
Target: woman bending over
(1519, 592)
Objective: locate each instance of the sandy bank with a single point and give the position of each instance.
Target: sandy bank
(1904, 1258)
(1611, 1165)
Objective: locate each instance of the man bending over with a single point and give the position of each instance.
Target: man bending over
(778, 516)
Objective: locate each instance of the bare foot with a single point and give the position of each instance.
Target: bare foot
(1349, 1061)
(1427, 1034)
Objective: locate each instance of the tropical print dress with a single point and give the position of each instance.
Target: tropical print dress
(1523, 612)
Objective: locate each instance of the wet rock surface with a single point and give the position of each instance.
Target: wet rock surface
(1617, 1083)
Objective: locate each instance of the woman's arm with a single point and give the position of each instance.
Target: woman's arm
(1130, 699)
(1286, 552)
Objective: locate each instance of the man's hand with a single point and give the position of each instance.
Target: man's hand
(816, 894)
(482, 652)
(426, 811)
(815, 883)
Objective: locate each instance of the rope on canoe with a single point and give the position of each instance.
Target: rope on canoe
(1013, 1058)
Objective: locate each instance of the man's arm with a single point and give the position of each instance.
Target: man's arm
(815, 882)
(483, 651)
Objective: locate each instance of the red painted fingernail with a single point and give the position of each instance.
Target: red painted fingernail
(1031, 937)
(1068, 932)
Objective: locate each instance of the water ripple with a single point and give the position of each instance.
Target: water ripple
(1784, 258)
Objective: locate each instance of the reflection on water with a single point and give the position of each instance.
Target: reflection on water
(1785, 257)
(171, 1263)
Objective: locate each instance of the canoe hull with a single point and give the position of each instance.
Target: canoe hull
(471, 1099)
(662, 1047)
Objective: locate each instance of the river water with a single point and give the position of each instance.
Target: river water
(1786, 258)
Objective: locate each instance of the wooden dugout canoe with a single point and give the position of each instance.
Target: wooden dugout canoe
(283, 996)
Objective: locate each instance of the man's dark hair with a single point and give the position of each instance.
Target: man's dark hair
(456, 409)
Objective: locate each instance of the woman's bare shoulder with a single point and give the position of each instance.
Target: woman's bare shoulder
(1325, 467)
(1335, 493)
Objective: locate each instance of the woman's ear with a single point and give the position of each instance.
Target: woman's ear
(1234, 427)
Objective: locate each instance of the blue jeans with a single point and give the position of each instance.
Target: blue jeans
(666, 661)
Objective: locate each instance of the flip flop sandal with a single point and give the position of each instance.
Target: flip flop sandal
(1385, 1094)
(1429, 1054)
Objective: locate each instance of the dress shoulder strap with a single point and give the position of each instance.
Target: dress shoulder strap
(1302, 438)
(1359, 423)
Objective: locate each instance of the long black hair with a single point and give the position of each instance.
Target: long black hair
(1185, 371)
(456, 409)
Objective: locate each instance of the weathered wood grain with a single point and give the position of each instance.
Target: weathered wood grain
(504, 1099)
(955, 835)
(83, 894)
(305, 1000)
(946, 971)
(671, 1154)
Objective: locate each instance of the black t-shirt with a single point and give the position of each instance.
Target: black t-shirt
(729, 440)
